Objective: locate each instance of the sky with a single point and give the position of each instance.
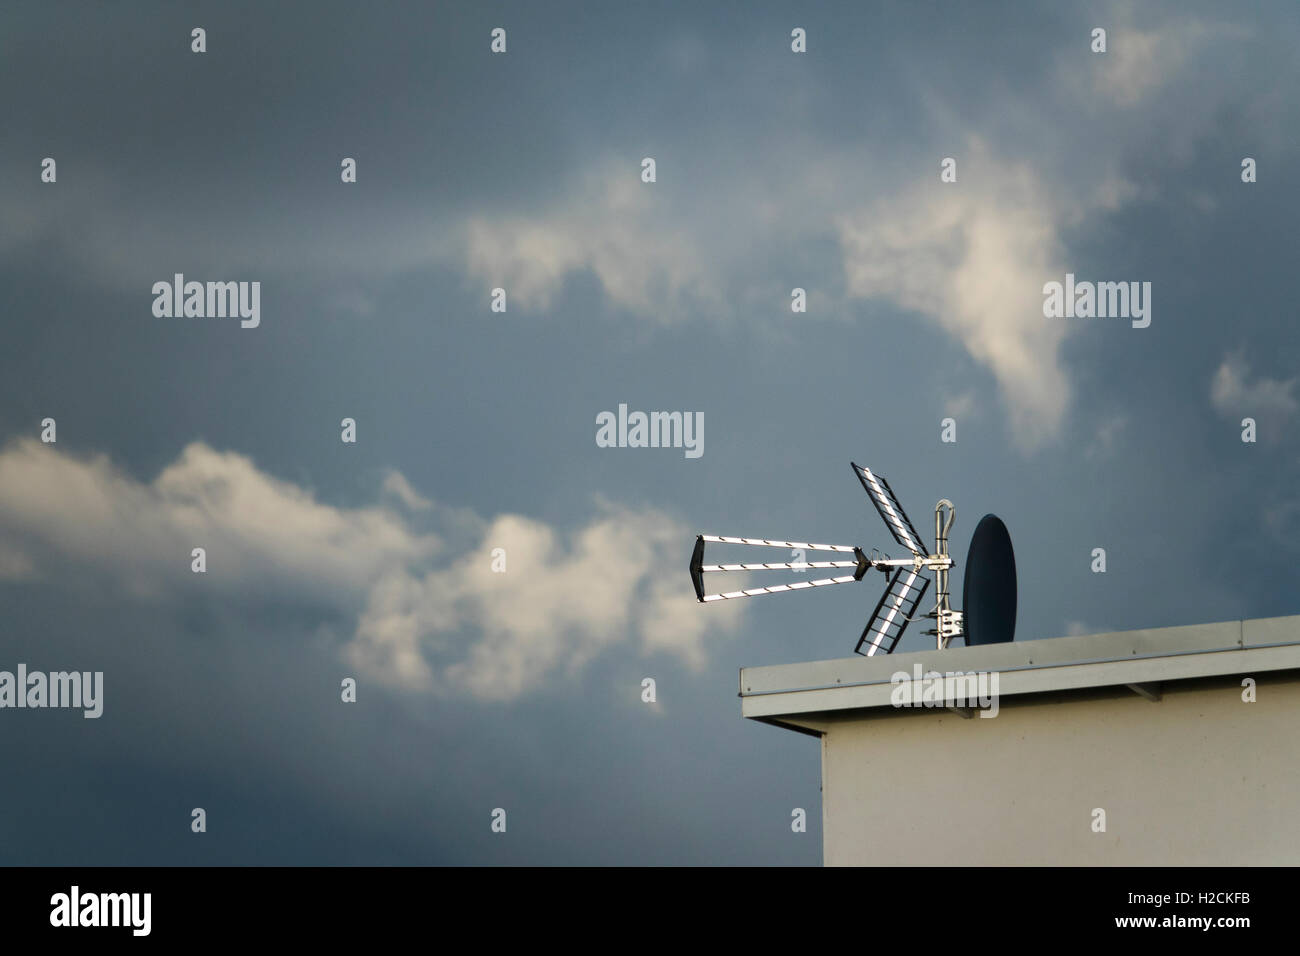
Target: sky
(479, 689)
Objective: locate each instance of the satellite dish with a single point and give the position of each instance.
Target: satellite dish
(988, 592)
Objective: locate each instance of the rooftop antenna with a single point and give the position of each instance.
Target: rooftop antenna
(991, 593)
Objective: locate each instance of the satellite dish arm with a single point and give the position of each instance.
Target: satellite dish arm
(948, 623)
(941, 527)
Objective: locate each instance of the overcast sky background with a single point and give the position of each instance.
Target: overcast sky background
(477, 430)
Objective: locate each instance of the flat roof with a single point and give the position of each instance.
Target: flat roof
(1136, 659)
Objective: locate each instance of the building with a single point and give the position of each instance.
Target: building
(1183, 741)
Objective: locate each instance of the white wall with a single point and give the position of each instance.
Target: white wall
(1197, 778)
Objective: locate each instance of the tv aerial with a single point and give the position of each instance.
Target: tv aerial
(988, 591)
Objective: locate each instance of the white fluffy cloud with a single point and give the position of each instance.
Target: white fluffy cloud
(1146, 50)
(973, 258)
(426, 618)
(1233, 392)
(622, 230)
(555, 607)
(260, 534)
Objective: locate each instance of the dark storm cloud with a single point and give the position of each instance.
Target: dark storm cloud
(521, 170)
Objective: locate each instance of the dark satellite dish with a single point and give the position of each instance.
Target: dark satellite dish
(988, 591)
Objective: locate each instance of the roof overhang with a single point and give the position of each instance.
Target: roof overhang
(792, 695)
